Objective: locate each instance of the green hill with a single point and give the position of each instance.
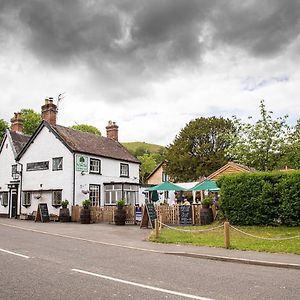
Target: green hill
(142, 147)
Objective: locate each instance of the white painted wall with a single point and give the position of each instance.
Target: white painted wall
(45, 147)
(7, 159)
(110, 172)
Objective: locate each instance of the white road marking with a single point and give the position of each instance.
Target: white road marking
(14, 253)
(149, 287)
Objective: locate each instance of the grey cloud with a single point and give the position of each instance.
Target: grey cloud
(263, 28)
(142, 39)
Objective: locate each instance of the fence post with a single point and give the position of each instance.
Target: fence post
(160, 222)
(226, 235)
(156, 228)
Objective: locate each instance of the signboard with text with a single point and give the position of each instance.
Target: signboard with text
(81, 163)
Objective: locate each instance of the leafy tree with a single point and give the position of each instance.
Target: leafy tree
(291, 150)
(199, 149)
(31, 120)
(259, 145)
(148, 164)
(87, 128)
(3, 127)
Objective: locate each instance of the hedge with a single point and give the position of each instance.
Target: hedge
(261, 198)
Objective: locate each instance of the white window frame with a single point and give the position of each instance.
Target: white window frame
(95, 166)
(124, 170)
(94, 194)
(57, 163)
(4, 198)
(56, 197)
(27, 196)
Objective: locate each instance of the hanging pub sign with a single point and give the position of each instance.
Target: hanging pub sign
(81, 163)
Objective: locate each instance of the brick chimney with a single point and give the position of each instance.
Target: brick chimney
(49, 111)
(17, 123)
(112, 130)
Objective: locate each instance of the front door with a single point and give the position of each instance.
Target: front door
(14, 204)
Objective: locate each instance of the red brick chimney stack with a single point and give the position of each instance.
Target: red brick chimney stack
(112, 130)
(17, 123)
(49, 111)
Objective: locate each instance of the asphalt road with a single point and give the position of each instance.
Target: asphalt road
(58, 267)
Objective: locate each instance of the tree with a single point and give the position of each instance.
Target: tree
(31, 120)
(291, 150)
(259, 145)
(3, 127)
(199, 149)
(87, 128)
(148, 164)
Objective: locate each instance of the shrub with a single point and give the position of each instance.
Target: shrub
(261, 198)
(86, 203)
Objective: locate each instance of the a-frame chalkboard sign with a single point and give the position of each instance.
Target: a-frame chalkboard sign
(149, 215)
(42, 214)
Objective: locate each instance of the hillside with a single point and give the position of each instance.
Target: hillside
(142, 146)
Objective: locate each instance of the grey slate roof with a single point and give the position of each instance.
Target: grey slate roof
(19, 140)
(84, 142)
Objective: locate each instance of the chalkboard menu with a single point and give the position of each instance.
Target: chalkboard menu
(149, 215)
(151, 211)
(42, 213)
(185, 215)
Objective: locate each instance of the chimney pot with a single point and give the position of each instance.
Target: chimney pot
(49, 111)
(112, 130)
(17, 122)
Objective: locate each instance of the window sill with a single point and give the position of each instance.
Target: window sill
(56, 205)
(26, 205)
(124, 176)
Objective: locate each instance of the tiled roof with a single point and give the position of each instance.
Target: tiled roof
(89, 143)
(19, 140)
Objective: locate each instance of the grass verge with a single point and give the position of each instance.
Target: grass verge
(238, 240)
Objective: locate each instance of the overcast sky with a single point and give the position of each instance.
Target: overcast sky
(151, 66)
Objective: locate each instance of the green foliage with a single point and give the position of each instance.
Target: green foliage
(259, 145)
(148, 164)
(64, 203)
(121, 203)
(87, 128)
(199, 149)
(150, 155)
(207, 200)
(31, 120)
(3, 127)
(141, 148)
(262, 198)
(86, 203)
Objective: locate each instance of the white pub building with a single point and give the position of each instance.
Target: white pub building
(58, 163)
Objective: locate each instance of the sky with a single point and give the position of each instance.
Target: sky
(151, 66)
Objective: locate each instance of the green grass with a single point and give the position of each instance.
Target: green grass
(238, 240)
(132, 146)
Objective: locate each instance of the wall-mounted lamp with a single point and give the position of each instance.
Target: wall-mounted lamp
(83, 173)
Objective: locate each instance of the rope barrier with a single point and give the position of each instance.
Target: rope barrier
(267, 239)
(186, 230)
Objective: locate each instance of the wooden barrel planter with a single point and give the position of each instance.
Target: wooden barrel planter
(64, 215)
(206, 215)
(85, 216)
(120, 216)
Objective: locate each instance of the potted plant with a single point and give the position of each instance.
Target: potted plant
(206, 214)
(85, 212)
(64, 212)
(206, 202)
(120, 214)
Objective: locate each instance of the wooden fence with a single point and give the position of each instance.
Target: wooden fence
(169, 214)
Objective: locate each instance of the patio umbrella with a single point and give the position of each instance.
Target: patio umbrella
(207, 184)
(166, 186)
